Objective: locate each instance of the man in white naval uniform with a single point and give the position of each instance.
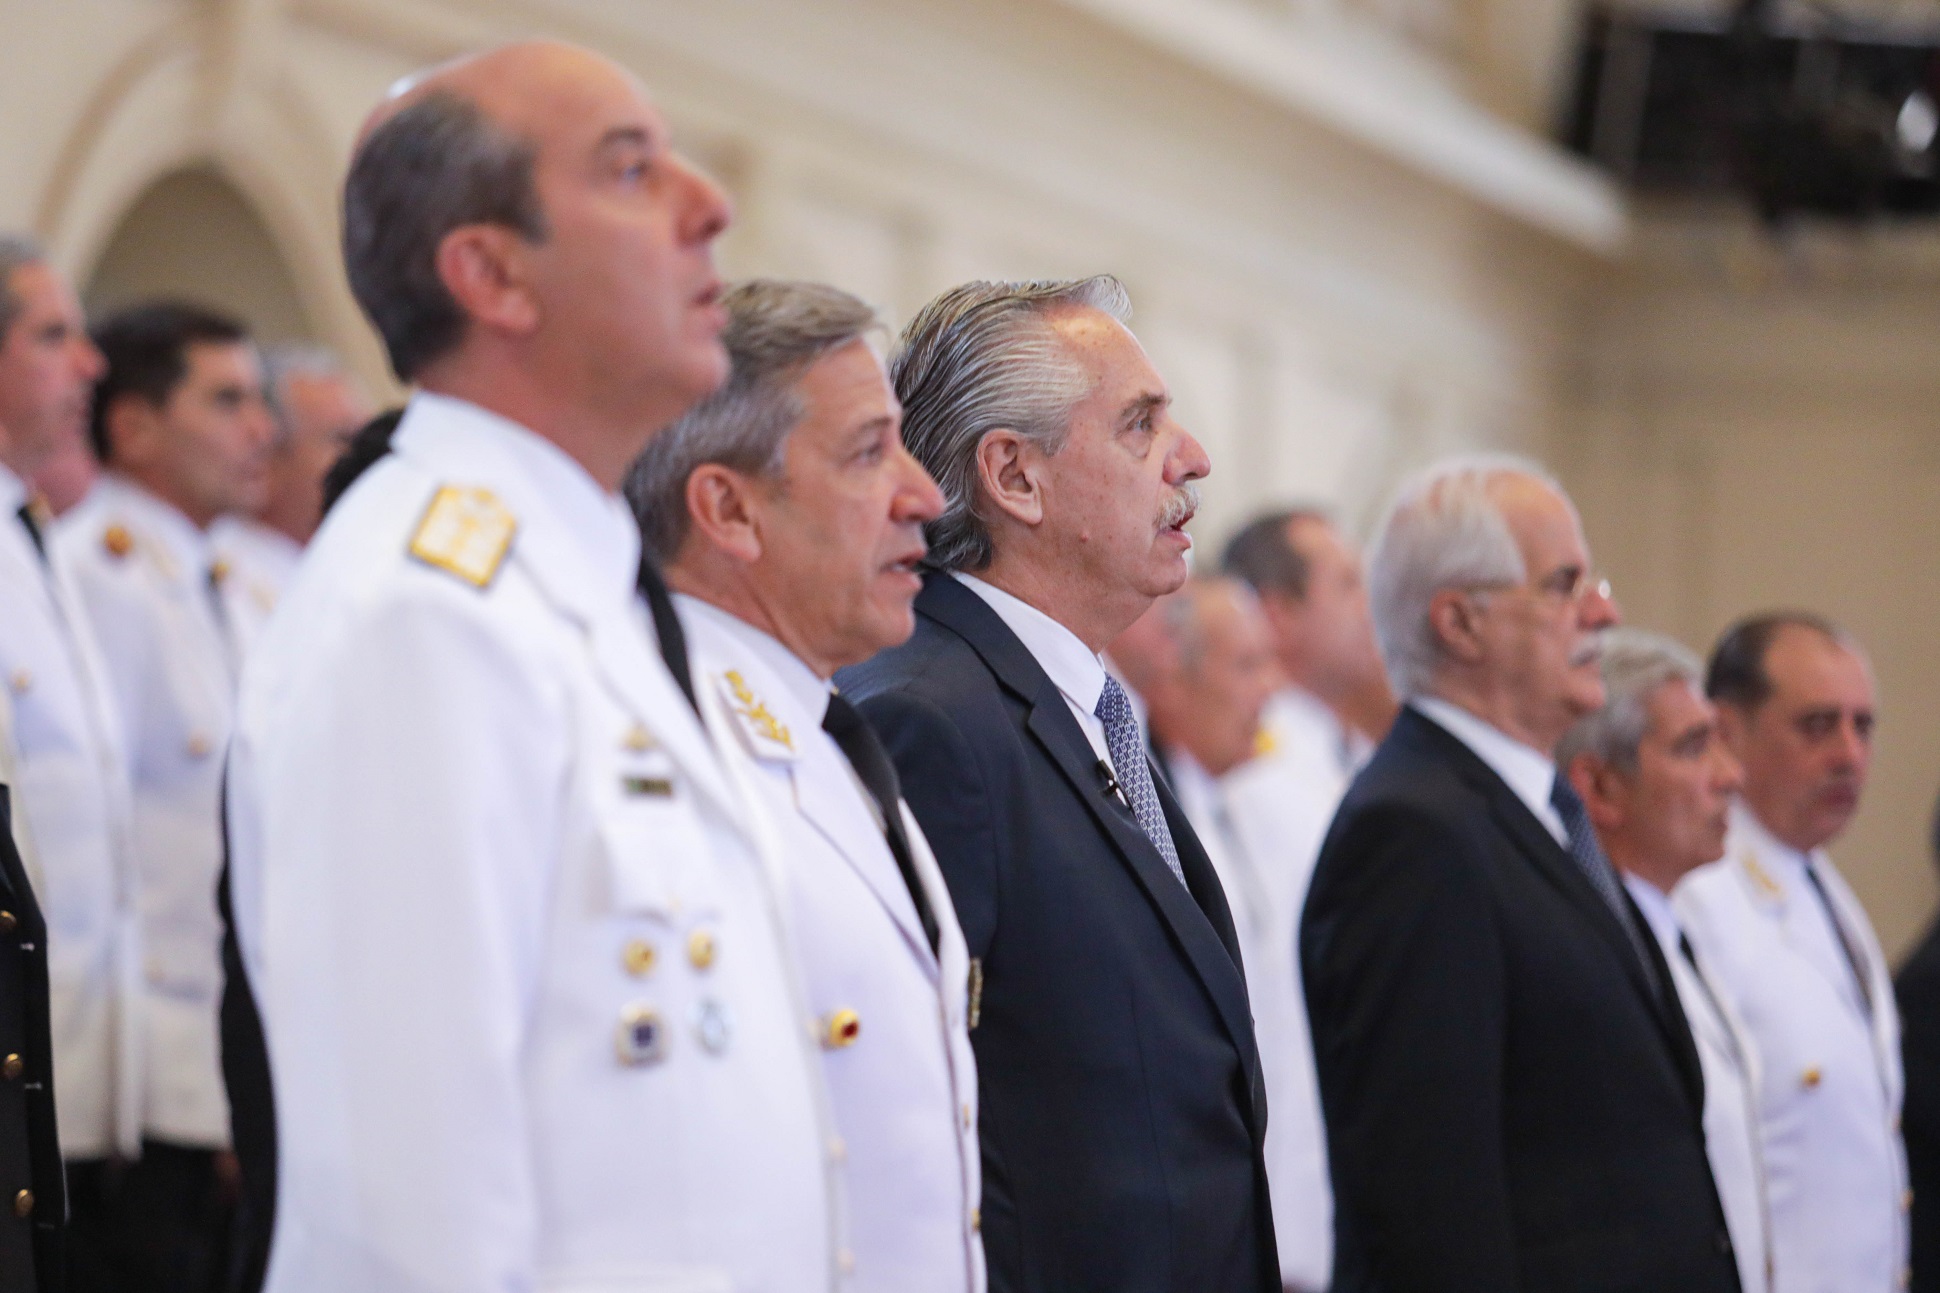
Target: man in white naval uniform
(180, 423)
(1797, 958)
(70, 789)
(317, 406)
(789, 517)
(505, 912)
(1657, 781)
(1202, 659)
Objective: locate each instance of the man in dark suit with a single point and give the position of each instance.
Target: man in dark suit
(1512, 1094)
(33, 1196)
(1122, 1107)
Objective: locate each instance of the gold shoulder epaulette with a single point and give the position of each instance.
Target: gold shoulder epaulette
(465, 532)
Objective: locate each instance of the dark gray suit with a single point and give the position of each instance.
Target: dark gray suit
(1122, 1105)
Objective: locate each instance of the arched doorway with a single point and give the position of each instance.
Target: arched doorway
(191, 235)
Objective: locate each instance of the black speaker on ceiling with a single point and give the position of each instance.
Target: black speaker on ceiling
(1795, 111)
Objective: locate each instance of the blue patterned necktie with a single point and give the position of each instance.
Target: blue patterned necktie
(1589, 857)
(1127, 748)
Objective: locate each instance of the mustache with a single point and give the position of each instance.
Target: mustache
(1589, 650)
(1180, 507)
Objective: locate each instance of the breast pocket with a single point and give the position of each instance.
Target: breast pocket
(656, 843)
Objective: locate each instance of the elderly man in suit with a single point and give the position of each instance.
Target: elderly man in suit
(1658, 780)
(1512, 1094)
(1794, 953)
(531, 1018)
(789, 519)
(1123, 1109)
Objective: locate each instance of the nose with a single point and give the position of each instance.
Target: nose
(709, 210)
(89, 362)
(919, 499)
(1728, 776)
(1853, 747)
(1599, 609)
(1189, 460)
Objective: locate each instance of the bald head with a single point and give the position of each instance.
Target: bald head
(521, 231)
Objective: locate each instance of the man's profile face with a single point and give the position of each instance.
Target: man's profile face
(320, 414)
(1542, 633)
(1117, 494)
(1337, 632)
(1808, 748)
(1226, 685)
(1675, 807)
(206, 448)
(841, 530)
(48, 368)
(625, 279)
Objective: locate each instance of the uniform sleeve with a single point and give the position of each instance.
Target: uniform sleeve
(1404, 981)
(944, 785)
(398, 818)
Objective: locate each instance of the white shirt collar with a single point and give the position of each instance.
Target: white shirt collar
(465, 444)
(1656, 906)
(159, 521)
(1527, 771)
(13, 490)
(1073, 666)
(805, 693)
(1748, 832)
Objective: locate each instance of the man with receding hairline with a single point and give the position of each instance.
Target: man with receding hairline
(529, 1010)
(1795, 954)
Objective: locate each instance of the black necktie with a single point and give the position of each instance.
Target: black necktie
(666, 624)
(1853, 958)
(871, 762)
(28, 519)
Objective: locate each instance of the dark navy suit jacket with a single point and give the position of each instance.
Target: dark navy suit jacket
(1122, 1107)
(1510, 1104)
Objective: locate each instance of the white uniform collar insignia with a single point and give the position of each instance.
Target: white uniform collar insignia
(766, 736)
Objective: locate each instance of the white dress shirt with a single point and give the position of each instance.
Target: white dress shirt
(1729, 1060)
(144, 572)
(903, 1085)
(1527, 771)
(71, 816)
(1831, 1078)
(514, 926)
(1075, 668)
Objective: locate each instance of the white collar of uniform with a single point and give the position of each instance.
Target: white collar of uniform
(1527, 771)
(1197, 789)
(461, 443)
(13, 491)
(1073, 666)
(803, 697)
(1656, 906)
(1747, 832)
(248, 537)
(185, 547)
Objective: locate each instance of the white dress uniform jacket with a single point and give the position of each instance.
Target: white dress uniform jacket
(511, 925)
(1262, 824)
(890, 1014)
(258, 564)
(1732, 1139)
(71, 811)
(1830, 1094)
(145, 575)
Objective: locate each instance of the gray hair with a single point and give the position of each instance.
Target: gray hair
(435, 166)
(16, 252)
(979, 358)
(1443, 530)
(286, 360)
(775, 331)
(1635, 664)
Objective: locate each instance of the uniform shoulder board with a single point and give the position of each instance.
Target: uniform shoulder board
(767, 737)
(465, 532)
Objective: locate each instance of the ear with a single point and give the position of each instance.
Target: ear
(1453, 615)
(722, 511)
(1601, 787)
(1010, 468)
(134, 429)
(485, 268)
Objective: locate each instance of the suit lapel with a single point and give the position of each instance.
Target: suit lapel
(1206, 936)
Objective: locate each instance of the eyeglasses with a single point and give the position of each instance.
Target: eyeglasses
(1567, 584)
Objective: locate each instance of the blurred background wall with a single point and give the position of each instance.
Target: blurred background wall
(1351, 244)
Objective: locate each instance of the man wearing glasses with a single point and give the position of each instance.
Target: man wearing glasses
(1512, 1094)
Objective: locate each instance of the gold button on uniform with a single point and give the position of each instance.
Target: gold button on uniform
(702, 949)
(23, 1203)
(1811, 1077)
(200, 746)
(639, 957)
(8, 922)
(840, 1028)
(1906, 1200)
(20, 682)
(12, 1067)
(976, 1220)
(638, 739)
(118, 542)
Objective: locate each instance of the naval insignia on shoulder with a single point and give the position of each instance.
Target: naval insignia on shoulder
(767, 736)
(465, 532)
